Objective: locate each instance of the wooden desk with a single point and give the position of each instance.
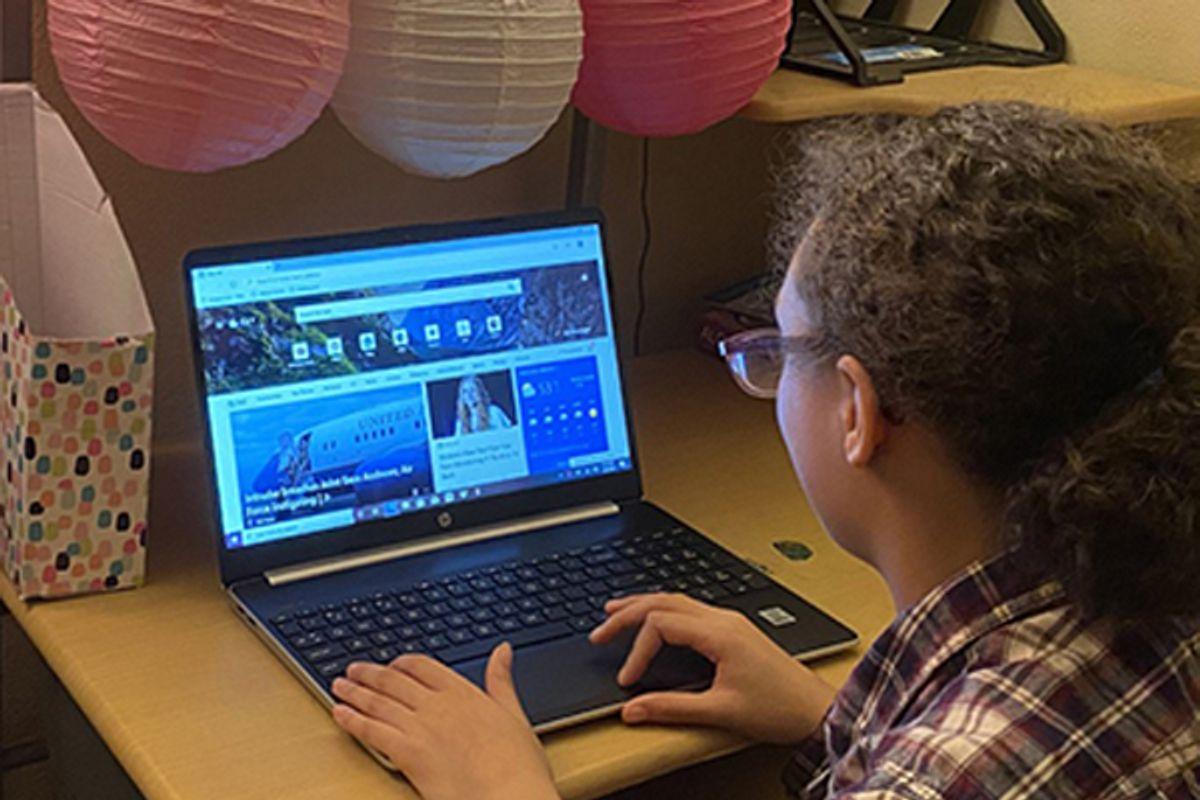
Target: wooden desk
(792, 96)
(194, 707)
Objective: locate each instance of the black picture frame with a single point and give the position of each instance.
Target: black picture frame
(817, 29)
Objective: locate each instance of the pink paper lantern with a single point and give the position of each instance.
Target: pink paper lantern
(655, 68)
(199, 85)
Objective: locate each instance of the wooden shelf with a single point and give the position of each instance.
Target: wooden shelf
(791, 96)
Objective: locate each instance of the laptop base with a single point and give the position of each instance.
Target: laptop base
(562, 681)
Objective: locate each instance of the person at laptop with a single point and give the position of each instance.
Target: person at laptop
(476, 411)
(988, 378)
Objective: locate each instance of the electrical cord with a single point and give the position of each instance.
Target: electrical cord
(643, 260)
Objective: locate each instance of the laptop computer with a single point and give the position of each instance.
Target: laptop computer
(419, 443)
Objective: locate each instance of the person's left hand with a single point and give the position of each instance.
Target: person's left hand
(450, 739)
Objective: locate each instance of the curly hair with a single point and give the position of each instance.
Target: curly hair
(1028, 285)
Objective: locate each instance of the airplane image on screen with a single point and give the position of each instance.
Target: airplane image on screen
(389, 436)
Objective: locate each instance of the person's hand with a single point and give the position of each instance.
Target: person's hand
(450, 739)
(759, 691)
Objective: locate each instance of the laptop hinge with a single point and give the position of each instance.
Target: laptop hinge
(364, 558)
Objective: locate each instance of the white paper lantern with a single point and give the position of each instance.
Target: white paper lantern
(446, 88)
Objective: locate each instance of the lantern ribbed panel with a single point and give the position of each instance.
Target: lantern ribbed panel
(672, 67)
(199, 85)
(446, 88)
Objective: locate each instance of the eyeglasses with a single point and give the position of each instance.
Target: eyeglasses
(756, 358)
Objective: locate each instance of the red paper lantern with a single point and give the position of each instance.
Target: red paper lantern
(655, 68)
(199, 85)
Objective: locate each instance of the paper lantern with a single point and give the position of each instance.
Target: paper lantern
(199, 85)
(449, 88)
(654, 68)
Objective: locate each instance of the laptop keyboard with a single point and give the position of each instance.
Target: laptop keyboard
(465, 615)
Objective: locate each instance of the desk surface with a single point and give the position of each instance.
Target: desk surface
(792, 96)
(194, 707)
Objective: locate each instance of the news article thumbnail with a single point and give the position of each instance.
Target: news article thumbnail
(472, 403)
(476, 431)
(331, 453)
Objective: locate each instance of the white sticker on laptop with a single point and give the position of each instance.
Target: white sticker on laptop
(777, 616)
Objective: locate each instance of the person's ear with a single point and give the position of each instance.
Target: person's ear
(863, 425)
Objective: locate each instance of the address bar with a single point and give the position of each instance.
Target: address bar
(344, 309)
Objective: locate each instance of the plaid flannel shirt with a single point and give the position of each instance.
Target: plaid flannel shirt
(993, 687)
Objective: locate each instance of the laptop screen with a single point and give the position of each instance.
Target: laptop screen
(367, 384)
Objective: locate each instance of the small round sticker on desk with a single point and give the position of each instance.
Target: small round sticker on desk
(793, 550)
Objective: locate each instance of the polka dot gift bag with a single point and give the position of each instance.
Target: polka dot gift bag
(75, 367)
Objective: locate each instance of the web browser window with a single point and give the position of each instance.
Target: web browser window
(367, 384)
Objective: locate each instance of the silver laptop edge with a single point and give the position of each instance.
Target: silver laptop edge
(329, 566)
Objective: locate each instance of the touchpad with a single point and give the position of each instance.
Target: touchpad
(571, 677)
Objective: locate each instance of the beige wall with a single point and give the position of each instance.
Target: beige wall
(1157, 39)
(707, 193)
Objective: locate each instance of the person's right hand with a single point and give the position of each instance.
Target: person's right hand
(759, 691)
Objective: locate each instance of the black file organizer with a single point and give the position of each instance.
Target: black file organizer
(848, 47)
